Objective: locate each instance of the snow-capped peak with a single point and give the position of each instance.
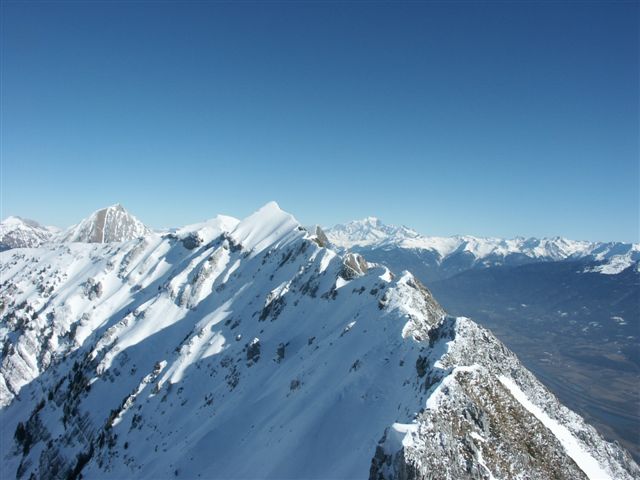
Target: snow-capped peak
(14, 221)
(110, 224)
(267, 226)
(368, 231)
(17, 232)
(371, 221)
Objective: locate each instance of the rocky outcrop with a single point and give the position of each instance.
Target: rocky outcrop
(353, 265)
(487, 417)
(111, 224)
(253, 351)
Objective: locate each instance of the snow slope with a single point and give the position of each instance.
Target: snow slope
(248, 349)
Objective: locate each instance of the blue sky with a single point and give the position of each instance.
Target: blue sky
(496, 119)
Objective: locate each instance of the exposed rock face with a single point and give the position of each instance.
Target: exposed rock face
(354, 265)
(111, 224)
(253, 351)
(16, 232)
(92, 289)
(316, 234)
(191, 241)
(128, 361)
(322, 239)
(488, 417)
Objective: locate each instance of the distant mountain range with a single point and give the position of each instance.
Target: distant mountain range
(446, 256)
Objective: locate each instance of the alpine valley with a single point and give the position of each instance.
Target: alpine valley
(258, 348)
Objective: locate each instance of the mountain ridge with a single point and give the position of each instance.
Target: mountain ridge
(251, 340)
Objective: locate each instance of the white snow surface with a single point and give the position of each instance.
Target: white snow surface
(268, 226)
(618, 262)
(209, 229)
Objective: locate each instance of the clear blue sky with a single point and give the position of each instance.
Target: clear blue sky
(480, 118)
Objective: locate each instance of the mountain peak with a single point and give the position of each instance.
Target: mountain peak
(270, 206)
(267, 226)
(18, 232)
(116, 206)
(15, 220)
(368, 231)
(110, 224)
(12, 220)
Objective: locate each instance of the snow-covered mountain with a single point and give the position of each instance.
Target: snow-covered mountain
(369, 231)
(111, 224)
(250, 349)
(16, 232)
(468, 251)
(568, 309)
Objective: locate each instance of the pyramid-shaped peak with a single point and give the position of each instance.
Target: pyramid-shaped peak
(271, 206)
(116, 207)
(110, 224)
(270, 213)
(268, 225)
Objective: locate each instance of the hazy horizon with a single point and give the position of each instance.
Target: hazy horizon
(311, 223)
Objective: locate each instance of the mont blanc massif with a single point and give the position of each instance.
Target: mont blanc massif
(262, 348)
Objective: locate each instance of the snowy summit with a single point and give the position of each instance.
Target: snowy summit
(16, 232)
